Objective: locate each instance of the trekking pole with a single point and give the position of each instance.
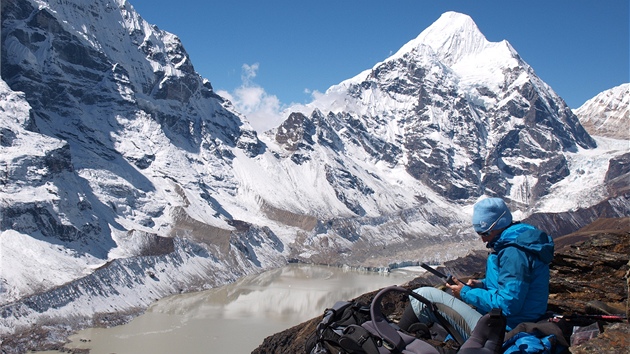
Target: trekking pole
(582, 320)
(449, 278)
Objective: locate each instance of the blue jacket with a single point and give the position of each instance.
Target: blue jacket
(517, 275)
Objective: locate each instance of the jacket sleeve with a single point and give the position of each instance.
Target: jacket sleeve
(513, 279)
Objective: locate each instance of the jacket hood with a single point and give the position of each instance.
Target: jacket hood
(527, 238)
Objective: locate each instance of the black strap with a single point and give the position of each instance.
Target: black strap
(356, 339)
(389, 334)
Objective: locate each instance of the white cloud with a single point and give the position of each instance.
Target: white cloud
(262, 110)
(249, 72)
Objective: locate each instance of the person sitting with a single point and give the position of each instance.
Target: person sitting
(516, 281)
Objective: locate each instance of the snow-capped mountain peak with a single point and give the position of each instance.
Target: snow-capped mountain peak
(452, 51)
(452, 37)
(127, 178)
(451, 103)
(608, 113)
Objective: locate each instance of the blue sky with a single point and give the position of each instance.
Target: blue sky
(284, 50)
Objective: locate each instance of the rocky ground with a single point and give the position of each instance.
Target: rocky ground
(590, 265)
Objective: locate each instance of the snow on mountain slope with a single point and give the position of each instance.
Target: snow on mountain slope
(118, 143)
(127, 178)
(125, 167)
(31, 155)
(587, 180)
(608, 113)
(464, 116)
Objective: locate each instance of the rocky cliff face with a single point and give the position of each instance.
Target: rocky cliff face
(120, 164)
(464, 116)
(608, 113)
(114, 152)
(122, 118)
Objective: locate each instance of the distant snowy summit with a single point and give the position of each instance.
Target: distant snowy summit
(608, 113)
(130, 179)
(464, 116)
(457, 46)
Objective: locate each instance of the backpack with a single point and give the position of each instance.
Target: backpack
(356, 328)
(349, 328)
(335, 320)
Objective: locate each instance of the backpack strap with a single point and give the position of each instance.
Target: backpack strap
(443, 321)
(330, 313)
(390, 336)
(356, 339)
(389, 339)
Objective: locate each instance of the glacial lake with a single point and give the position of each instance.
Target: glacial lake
(237, 317)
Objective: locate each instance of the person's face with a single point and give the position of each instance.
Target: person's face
(488, 236)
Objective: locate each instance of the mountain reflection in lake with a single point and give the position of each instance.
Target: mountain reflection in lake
(235, 318)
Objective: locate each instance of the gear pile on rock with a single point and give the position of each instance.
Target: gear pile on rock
(590, 275)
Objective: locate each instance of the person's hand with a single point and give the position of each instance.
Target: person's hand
(457, 288)
(474, 283)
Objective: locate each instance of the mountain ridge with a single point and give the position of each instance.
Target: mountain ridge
(123, 164)
(427, 108)
(605, 113)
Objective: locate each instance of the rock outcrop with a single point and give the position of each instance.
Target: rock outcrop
(603, 114)
(589, 265)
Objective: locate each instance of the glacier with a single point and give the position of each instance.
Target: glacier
(127, 178)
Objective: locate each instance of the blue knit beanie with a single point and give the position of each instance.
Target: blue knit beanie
(491, 214)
